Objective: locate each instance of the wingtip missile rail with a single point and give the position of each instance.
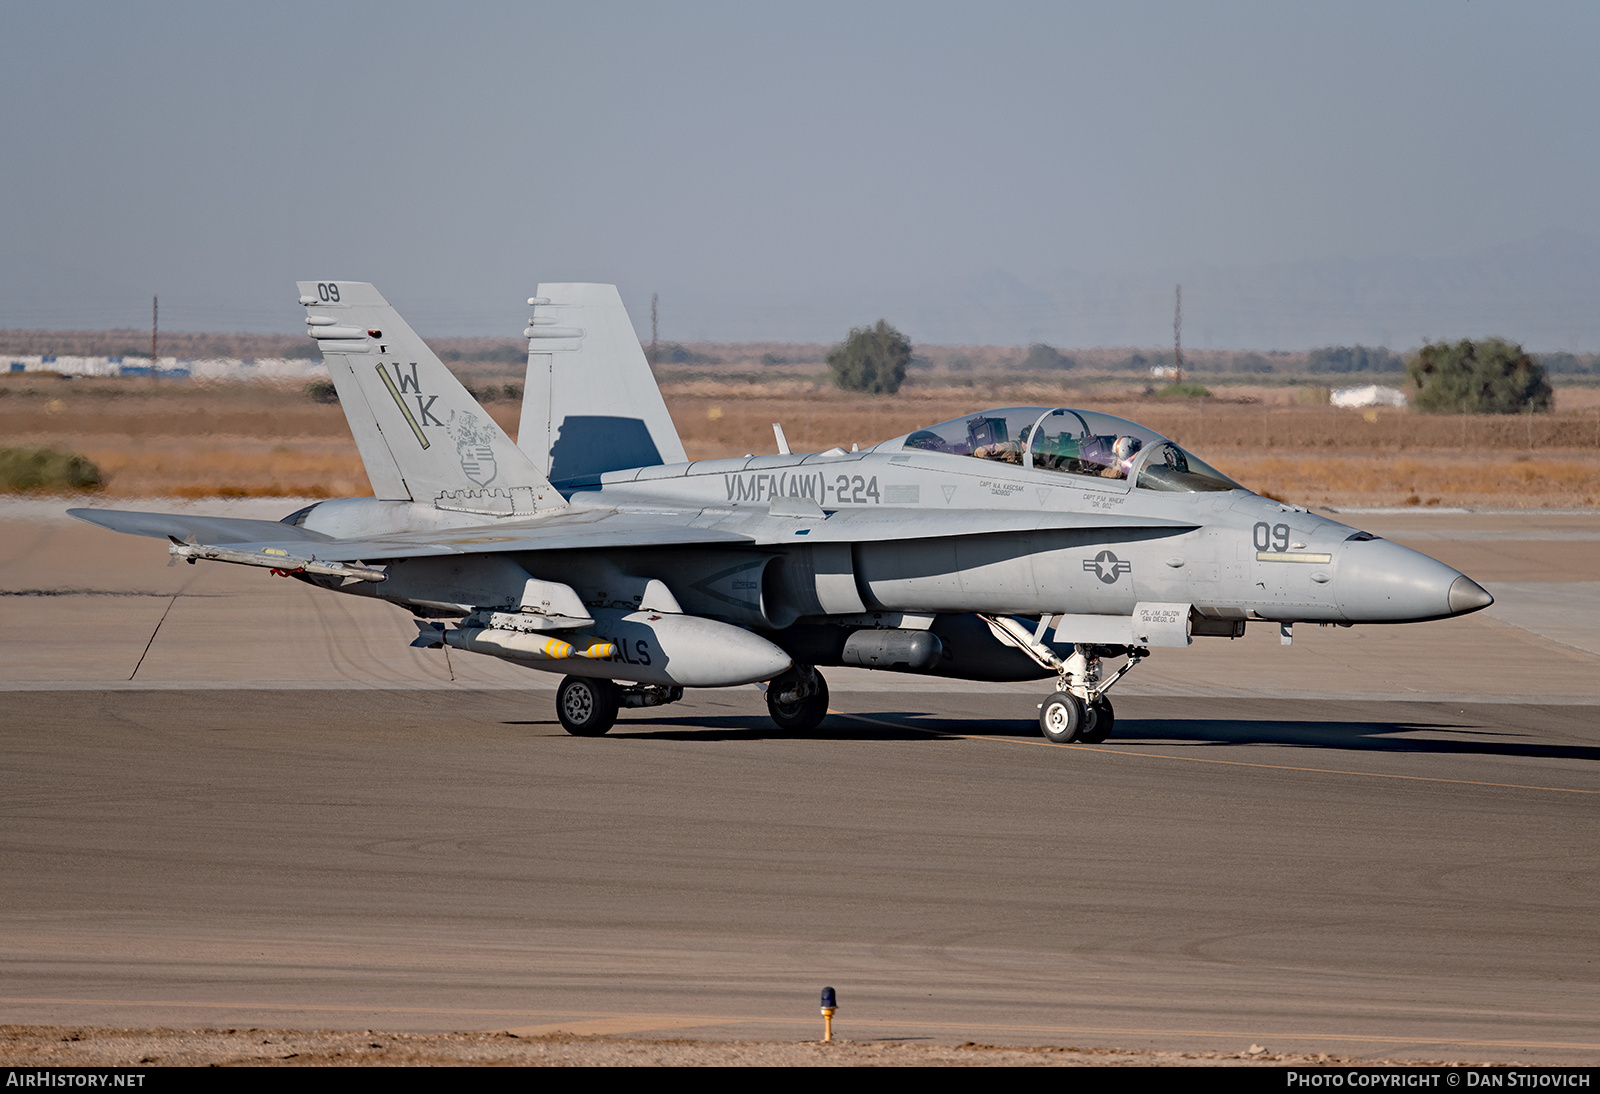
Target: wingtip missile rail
(272, 558)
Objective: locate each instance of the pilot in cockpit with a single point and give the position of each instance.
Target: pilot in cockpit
(1123, 452)
(1009, 451)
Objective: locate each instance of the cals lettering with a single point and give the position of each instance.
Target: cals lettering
(639, 655)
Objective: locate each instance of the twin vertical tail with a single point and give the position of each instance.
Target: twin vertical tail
(591, 403)
(421, 435)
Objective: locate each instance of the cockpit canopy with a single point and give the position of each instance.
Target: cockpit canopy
(1073, 442)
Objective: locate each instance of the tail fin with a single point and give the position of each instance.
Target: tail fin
(421, 436)
(591, 403)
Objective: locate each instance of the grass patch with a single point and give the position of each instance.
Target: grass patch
(45, 470)
(1420, 479)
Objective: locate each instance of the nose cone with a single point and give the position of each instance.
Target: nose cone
(1466, 595)
(1383, 582)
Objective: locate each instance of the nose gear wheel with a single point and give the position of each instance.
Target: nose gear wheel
(1062, 717)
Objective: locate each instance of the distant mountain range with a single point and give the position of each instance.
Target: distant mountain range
(1543, 292)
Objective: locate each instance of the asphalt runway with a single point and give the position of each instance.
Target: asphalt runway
(1378, 842)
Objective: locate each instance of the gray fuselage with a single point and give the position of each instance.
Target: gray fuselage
(1231, 554)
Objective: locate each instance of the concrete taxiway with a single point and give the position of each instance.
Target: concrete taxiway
(234, 801)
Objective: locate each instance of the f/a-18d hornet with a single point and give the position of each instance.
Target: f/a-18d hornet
(1023, 543)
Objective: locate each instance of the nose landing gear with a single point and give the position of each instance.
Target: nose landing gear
(1079, 710)
(1065, 718)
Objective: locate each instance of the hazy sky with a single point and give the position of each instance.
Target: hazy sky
(780, 170)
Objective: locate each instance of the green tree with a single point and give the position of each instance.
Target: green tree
(1046, 358)
(1490, 377)
(871, 359)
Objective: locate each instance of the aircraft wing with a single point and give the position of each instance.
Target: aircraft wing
(610, 528)
(214, 530)
(566, 530)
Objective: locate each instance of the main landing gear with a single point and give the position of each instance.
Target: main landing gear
(798, 698)
(1079, 710)
(588, 707)
(797, 701)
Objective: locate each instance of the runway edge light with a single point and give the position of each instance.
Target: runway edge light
(830, 1003)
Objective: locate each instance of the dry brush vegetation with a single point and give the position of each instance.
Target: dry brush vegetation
(154, 438)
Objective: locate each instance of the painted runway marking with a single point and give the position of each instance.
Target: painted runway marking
(1207, 760)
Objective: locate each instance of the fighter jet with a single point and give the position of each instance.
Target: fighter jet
(1023, 543)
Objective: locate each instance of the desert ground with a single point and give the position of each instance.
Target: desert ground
(161, 438)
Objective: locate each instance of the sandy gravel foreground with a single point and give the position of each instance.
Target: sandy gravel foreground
(53, 1046)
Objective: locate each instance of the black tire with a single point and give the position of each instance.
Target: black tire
(1062, 717)
(587, 708)
(1102, 720)
(805, 712)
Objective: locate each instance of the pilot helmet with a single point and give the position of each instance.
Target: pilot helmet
(1126, 446)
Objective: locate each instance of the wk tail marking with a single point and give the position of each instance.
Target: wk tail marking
(400, 402)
